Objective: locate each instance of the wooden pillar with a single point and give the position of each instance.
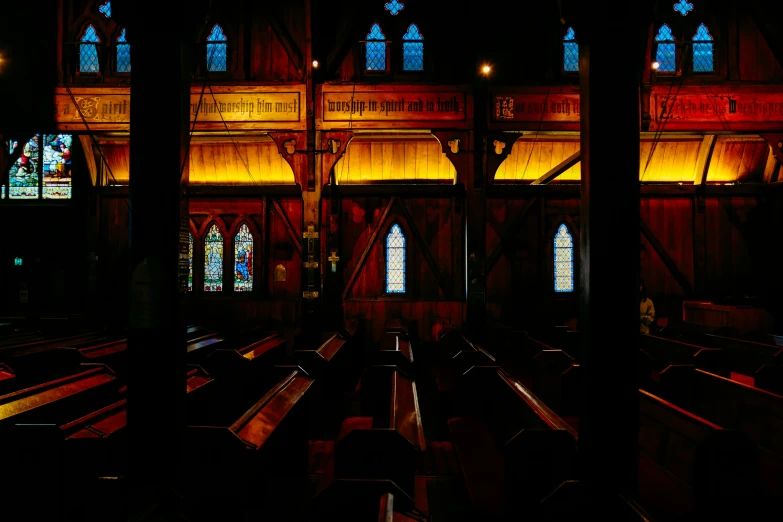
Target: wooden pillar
(159, 115)
(609, 250)
(476, 313)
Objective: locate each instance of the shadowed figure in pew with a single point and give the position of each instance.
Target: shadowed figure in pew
(646, 310)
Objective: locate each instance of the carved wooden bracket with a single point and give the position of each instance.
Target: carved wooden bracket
(499, 146)
(333, 145)
(286, 146)
(775, 141)
(456, 146)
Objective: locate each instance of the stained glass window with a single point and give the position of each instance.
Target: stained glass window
(190, 262)
(23, 174)
(217, 50)
(412, 49)
(394, 7)
(243, 257)
(105, 9)
(375, 49)
(213, 260)
(88, 51)
(564, 260)
(395, 260)
(683, 7)
(703, 60)
(570, 52)
(665, 55)
(123, 54)
(57, 174)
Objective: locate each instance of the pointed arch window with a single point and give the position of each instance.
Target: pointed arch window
(105, 9)
(395, 260)
(564, 260)
(43, 168)
(243, 258)
(665, 55)
(570, 52)
(88, 51)
(123, 53)
(703, 58)
(375, 49)
(217, 50)
(190, 262)
(213, 260)
(413, 49)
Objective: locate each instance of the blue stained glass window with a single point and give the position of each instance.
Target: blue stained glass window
(395, 260)
(243, 257)
(190, 262)
(217, 50)
(564, 260)
(23, 174)
(412, 49)
(375, 49)
(213, 260)
(123, 54)
(105, 9)
(57, 174)
(703, 59)
(88, 51)
(394, 7)
(665, 55)
(570, 52)
(683, 7)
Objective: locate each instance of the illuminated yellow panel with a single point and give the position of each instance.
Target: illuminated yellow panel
(671, 160)
(530, 159)
(116, 170)
(249, 163)
(394, 158)
(738, 159)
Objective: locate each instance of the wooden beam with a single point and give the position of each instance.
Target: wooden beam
(231, 191)
(288, 226)
(572, 190)
(558, 169)
(368, 247)
(444, 286)
(670, 264)
(89, 157)
(286, 40)
(703, 158)
(380, 190)
(509, 235)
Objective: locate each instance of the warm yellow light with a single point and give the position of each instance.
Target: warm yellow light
(486, 69)
(315, 64)
(655, 65)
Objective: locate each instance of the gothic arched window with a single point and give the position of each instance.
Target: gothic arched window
(395, 260)
(564, 260)
(703, 60)
(190, 262)
(217, 50)
(665, 55)
(243, 258)
(375, 49)
(570, 52)
(23, 175)
(88, 51)
(213, 260)
(412, 49)
(43, 168)
(105, 9)
(123, 54)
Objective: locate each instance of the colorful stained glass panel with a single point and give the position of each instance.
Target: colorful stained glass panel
(395, 261)
(123, 54)
(243, 257)
(190, 262)
(375, 50)
(564, 260)
(23, 174)
(105, 9)
(412, 50)
(683, 7)
(703, 59)
(217, 50)
(665, 55)
(570, 52)
(88, 51)
(213, 260)
(57, 173)
(394, 7)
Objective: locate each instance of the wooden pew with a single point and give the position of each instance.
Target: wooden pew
(770, 377)
(248, 365)
(8, 380)
(237, 464)
(730, 404)
(666, 352)
(460, 354)
(331, 363)
(742, 356)
(202, 346)
(512, 448)
(42, 344)
(549, 368)
(395, 350)
(688, 464)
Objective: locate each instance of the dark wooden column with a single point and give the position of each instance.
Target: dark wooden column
(609, 250)
(160, 97)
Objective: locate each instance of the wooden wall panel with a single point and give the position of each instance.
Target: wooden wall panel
(739, 160)
(532, 158)
(283, 251)
(394, 159)
(756, 61)
(421, 316)
(669, 220)
(247, 163)
(730, 269)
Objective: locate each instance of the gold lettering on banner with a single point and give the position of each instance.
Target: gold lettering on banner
(537, 107)
(726, 109)
(393, 106)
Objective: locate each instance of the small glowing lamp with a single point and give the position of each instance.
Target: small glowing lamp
(315, 64)
(486, 69)
(655, 66)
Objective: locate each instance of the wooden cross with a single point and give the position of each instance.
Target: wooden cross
(333, 259)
